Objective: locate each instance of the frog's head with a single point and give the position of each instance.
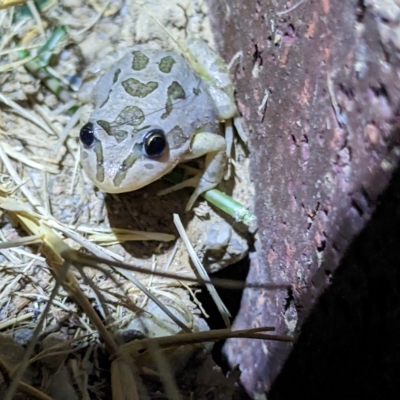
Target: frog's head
(119, 162)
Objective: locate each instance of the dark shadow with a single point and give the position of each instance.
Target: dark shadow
(143, 210)
(230, 297)
(349, 345)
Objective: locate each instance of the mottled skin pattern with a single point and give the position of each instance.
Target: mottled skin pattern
(155, 89)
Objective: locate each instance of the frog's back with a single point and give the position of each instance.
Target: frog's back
(162, 85)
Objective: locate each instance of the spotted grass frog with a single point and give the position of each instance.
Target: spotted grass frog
(153, 110)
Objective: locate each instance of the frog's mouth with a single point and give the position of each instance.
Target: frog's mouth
(135, 172)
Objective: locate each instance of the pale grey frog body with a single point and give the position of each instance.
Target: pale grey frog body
(153, 110)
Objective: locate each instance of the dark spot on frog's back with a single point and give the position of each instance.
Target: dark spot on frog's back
(139, 61)
(196, 91)
(130, 115)
(176, 137)
(126, 165)
(98, 151)
(166, 64)
(139, 89)
(116, 75)
(105, 125)
(175, 91)
(120, 135)
(149, 166)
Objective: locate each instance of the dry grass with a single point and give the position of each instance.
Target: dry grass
(69, 275)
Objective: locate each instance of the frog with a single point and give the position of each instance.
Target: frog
(154, 109)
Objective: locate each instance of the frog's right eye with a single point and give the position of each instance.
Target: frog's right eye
(154, 143)
(86, 135)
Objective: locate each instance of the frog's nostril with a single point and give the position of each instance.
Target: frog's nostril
(154, 143)
(86, 134)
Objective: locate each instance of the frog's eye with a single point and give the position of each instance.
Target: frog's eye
(154, 143)
(86, 134)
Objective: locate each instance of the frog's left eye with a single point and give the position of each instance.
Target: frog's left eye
(86, 135)
(154, 143)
